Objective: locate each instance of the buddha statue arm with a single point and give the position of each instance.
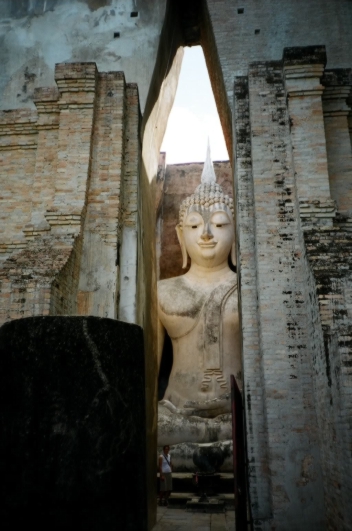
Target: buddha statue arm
(175, 428)
(206, 409)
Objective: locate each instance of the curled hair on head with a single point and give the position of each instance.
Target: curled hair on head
(207, 196)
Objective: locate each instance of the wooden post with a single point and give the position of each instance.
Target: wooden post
(238, 457)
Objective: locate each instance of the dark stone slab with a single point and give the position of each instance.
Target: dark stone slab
(72, 424)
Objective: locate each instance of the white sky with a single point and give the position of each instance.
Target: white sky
(194, 115)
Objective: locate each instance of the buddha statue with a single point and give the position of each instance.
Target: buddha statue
(199, 311)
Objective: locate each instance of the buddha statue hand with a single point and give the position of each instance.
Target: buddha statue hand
(205, 409)
(181, 425)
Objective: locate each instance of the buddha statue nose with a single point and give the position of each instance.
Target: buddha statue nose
(206, 235)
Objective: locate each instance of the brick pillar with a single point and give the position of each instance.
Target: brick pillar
(338, 84)
(349, 118)
(129, 246)
(284, 365)
(46, 100)
(18, 144)
(257, 443)
(303, 68)
(98, 284)
(77, 86)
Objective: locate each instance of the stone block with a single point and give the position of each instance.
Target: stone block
(73, 438)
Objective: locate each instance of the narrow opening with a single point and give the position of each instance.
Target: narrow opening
(192, 121)
(240, 11)
(134, 14)
(194, 117)
(116, 34)
(187, 23)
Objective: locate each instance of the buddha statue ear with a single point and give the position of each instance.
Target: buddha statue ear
(233, 253)
(181, 241)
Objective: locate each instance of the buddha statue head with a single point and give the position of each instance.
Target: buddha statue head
(206, 223)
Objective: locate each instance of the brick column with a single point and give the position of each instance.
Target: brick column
(282, 309)
(129, 244)
(253, 394)
(46, 100)
(349, 118)
(98, 283)
(338, 84)
(18, 144)
(303, 68)
(77, 85)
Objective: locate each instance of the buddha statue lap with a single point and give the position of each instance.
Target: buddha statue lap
(199, 311)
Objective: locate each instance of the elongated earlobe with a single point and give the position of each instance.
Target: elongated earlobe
(182, 245)
(233, 253)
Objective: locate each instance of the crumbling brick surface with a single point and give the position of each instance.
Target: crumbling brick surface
(337, 111)
(272, 249)
(295, 292)
(99, 275)
(70, 188)
(47, 170)
(132, 156)
(28, 279)
(329, 253)
(257, 444)
(18, 143)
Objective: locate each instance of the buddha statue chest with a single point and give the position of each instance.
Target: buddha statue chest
(202, 322)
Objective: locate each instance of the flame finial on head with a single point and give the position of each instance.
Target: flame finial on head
(208, 195)
(208, 174)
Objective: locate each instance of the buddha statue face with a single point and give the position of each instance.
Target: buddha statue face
(207, 235)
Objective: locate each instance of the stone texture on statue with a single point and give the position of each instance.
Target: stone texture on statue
(72, 417)
(199, 311)
(182, 455)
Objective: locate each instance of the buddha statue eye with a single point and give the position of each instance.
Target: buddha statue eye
(219, 225)
(194, 226)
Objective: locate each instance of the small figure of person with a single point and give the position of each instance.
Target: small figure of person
(165, 469)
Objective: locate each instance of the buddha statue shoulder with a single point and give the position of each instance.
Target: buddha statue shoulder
(199, 311)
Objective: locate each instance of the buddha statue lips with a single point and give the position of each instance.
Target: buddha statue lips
(199, 311)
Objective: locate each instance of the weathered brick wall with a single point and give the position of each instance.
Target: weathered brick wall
(61, 196)
(291, 427)
(99, 272)
(330, 281)
(303, 68)
(132, 156)
(40, 280)
(130, 223)
(46, 159)
(257, 443)
(18, 142)
(349, 116)
(338, 84)
(295, 298)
